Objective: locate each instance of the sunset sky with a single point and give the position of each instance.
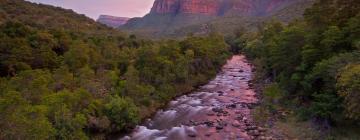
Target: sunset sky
(94, 8)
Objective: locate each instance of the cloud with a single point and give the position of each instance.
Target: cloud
(94, 8)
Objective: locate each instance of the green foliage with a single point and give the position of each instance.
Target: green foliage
(19, 120)
(313, 61)
(123, 112)
(273, 94)
(349, 87)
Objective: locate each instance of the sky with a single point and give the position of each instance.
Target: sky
(94, 8)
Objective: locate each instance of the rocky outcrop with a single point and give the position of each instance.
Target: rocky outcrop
(208, 7)
(217, 7)
(165, 6)
(112, 21)
(178, 18)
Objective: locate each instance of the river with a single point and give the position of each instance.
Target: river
(219, 110)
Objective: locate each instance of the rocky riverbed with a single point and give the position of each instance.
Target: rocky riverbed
(219, 110)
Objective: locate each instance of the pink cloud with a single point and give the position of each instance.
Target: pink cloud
(94, 8)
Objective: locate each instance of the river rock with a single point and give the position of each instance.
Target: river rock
(208, 134)
(218, 110)
(255, 133)
(219, 127)
(231, 106)
(236, 124)
(126, 138)
(251, 127)
(221, 124)
(261, 129)
(238, 112)
(210, 114)
(192, 134)
(262, 138)
(209, 123)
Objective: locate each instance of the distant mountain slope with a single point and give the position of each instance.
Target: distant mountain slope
(43, 16)
(176, 18)
(112, 21)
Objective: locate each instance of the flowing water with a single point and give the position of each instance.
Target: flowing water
(219, 110)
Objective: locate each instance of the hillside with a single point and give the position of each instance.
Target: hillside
(172, 18)
(308, 71)
(44, 16)
(112, 21)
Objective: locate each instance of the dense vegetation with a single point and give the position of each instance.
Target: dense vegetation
(63, 76)
(313, 63)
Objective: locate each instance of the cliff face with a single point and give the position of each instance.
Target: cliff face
(217, 7)
(178, 18)
(165, 6)
(209, 7)
(112, 21)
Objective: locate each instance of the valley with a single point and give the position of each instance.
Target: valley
(188, 69)
(218, 110)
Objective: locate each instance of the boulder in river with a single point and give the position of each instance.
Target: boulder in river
(209, 123)
(219, 127)
(192, 134)
(236, 124)
(218, 110)
(210, 114)
(231, 106)
(208, 134)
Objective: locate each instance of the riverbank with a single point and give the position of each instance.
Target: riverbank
(220, 110)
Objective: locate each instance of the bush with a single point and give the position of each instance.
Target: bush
(122, 112)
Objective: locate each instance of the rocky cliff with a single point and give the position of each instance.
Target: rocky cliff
(218, 7)
(169, 18)
(112, 21)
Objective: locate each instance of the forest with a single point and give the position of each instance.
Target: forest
(74, 78)
(310, 66)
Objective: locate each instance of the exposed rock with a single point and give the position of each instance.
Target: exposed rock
(192, 134)
(209, 123)
(219, 127)
(262, 138)
(261, 129)
(231, 106)
(165, 6)
(210, 114)
(208, 134)
(255, 133)
(218, 110)
(208, 7)
(236, 124)
(220, 92)
(218, 7)
(251, 128)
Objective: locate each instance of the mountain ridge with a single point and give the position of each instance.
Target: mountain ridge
(112, 21)
(217, 7)
(168, 17)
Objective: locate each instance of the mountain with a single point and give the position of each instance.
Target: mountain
(176, 18)
(112, 21)
(218, 7)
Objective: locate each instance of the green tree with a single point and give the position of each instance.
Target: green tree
(348, 86)
(20, 120)
(77, 57)
(122, 112)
